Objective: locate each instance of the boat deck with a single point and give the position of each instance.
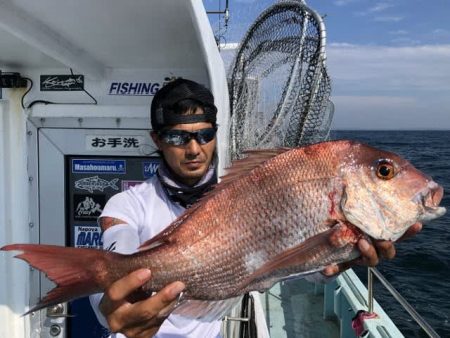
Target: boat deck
(296, 309)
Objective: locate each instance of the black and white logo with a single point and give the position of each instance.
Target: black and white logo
(88, 207)
(65, 83)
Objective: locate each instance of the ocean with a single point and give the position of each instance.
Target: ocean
(421, 269)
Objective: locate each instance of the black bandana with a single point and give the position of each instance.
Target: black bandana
(181, 193)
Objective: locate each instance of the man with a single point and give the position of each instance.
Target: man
(183, 117)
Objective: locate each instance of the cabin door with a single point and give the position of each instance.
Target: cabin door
(78, 171)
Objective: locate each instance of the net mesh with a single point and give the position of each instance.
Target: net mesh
(279, 86)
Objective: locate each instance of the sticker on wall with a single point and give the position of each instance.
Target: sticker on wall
(134, 88)
(150, 168)
(88, 207)
(88, 236)
(62, 83)
(82, 166)
(96, 183)
(128, 184)
(103, 143)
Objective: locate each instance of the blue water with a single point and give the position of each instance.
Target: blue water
(421, 269)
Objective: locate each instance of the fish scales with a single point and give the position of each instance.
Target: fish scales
(293, 216)
(278, 213)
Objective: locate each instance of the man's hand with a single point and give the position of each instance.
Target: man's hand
(143, 318)
(371, 253)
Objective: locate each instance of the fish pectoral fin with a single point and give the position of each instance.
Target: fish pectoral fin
(163, 238)
(295, 256)
(151, 244)
(205, 310)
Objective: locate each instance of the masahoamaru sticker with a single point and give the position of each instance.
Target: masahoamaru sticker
(85, 166)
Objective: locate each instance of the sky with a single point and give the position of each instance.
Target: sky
(389, 60)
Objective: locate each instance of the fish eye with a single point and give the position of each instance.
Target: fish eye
(385, 170)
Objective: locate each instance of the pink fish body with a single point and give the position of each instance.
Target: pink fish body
(277, 214)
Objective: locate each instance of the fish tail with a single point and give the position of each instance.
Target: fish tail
(77, 272)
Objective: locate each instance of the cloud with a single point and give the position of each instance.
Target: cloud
(405, 41)
(388, 18)
(382, 68)
(380, 87)
(376, 13)
(440, 31)
(384, 87)
(399, 32)
(382, 6)
(370, 112)
(344, 2)
(387, 112)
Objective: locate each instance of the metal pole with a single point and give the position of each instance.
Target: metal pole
(419, 320)
(370, 290)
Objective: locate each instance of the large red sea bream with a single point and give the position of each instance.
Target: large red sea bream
(278, 213)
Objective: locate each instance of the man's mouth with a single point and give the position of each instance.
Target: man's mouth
(193, 164)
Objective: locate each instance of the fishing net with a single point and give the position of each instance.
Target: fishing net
(278, 82)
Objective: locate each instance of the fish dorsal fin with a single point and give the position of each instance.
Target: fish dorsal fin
(164, 238)
(238, 169)
(254, 159)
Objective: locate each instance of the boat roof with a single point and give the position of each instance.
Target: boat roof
(93, 36)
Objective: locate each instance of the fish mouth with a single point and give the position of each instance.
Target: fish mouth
(429, 199)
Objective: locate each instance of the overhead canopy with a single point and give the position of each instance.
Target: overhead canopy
(92, 36)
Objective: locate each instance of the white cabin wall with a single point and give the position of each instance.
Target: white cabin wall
(14, 283)
(217, 79)
(163, 53)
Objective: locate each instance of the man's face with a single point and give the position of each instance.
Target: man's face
(191, 161)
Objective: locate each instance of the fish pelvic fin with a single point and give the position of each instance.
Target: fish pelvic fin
(77, 272)
(205, 310)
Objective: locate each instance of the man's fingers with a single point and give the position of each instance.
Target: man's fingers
(334, 269)
(116, 294)
(125, 286)
(368, 253)
(164, 313)
(412, 231)
(331, 270)
(155, 308)
(371, 253)
(386, 249)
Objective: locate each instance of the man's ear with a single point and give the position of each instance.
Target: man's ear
(155, 139)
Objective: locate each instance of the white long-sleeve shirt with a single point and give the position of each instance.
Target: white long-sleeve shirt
(147, 211)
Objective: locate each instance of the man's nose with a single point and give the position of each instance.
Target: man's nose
(193, 148)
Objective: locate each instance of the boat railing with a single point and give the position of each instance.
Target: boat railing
(403, 302)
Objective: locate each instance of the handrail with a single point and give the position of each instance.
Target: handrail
(403, 302)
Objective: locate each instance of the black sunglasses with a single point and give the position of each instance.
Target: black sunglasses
(178, 137)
